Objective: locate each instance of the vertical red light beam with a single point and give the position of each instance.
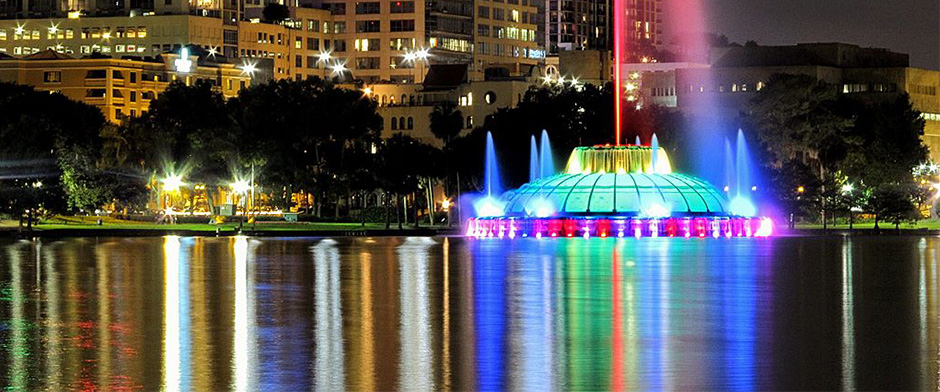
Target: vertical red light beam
(618, 14)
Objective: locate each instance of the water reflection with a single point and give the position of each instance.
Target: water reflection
(414, 363)
(329, 373)
(429, 314)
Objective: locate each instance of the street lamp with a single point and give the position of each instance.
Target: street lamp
(240, 186)
(172, 183)
(249, 68)
(338, 68)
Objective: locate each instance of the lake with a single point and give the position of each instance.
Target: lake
(291, 314)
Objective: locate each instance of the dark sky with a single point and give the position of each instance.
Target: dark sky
(906, 26)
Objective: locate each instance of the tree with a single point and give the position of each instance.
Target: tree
(446, 121)
(275, 12)
(302, 134)
(40, 145)
(188, 131)
(404, 162)
(894, 203)
(797, 117)
(800, 119)
(891, 147)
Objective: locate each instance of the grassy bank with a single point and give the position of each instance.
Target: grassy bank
(929, 224)
(110, 224)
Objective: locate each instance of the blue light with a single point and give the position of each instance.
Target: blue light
(489, 207)
(741, 206)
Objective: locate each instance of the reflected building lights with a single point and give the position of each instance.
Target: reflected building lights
(171, 314)
(53, 343)
(19, 350)
(329, 374)
(446, 376)
(414, 367)
(243, 320)
(103, 300)
(367, 336)
(848, 317)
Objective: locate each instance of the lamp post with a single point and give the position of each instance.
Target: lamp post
(324, 58)
(413, 58)
(847, 190)
(170, 184)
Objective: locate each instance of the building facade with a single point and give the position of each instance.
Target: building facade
(406, 108)
(725, 87)
(375, 41)
(588, 25)
(120, 87)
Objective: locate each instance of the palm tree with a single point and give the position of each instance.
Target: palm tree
(446, 121)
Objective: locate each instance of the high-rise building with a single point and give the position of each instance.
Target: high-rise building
(588, 25)
(383, 40)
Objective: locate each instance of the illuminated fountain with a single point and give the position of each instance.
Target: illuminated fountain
(621, 190)
(616, 191)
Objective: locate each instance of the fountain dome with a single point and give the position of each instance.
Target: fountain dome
(621, 181)
(608, 190)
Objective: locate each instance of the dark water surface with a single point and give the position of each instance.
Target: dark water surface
(448, 313)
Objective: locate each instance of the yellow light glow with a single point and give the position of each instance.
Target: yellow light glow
(171, 314)
(240, 186)
(240, 339)
(800, 189)
(445, 204)
(172, 183)
(367, 91)
(106, 35)
(75, 14)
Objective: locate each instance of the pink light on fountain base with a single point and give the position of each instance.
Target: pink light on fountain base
(686, 227)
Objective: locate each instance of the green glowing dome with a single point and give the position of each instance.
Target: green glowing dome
(624, 194)
(617, 181)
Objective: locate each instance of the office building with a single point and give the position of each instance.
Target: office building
(121, 87)
(588, 25)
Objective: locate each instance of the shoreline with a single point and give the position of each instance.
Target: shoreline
(223, 232)
(60, 232)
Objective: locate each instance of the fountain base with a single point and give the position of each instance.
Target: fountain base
(688, 227)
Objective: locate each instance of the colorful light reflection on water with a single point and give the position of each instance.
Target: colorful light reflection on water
(451, 313)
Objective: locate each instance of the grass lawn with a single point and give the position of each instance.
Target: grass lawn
(931, 224)
(90, 223)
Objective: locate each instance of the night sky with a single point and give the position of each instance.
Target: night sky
(906, 26)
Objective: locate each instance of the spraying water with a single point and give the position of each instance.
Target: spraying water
(742, 167)
(637, 140)
(491, 175)
(533, 161)
(546, 162)
(738, 177)
(654, 146)
(730, 176)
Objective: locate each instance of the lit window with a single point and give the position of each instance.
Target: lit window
(52, 77)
